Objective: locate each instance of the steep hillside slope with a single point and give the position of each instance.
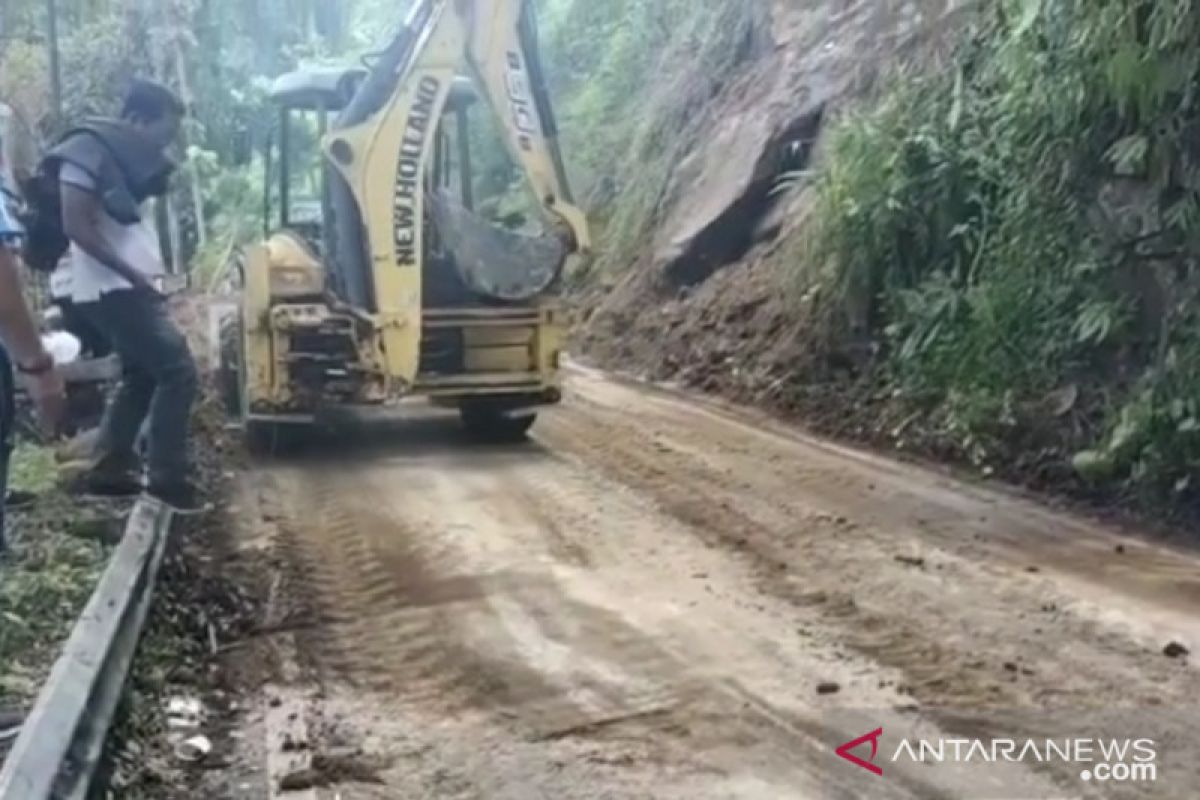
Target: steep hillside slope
(734, 133)
(962, 231)
(699, 297)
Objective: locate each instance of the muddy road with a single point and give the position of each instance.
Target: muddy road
(660, 598)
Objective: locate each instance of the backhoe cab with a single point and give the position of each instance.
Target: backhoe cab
(378, 279)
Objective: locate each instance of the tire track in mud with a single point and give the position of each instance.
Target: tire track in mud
(676, 718)
(691, 495)
(536, 601)
(848, 577)
(399, 633)
(391, 617)
(967, 518)
(381, 624)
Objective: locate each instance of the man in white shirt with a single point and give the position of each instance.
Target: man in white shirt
(115, 266)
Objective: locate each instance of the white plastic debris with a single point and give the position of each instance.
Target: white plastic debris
(62, 346)
(184, 713)
(194, 749)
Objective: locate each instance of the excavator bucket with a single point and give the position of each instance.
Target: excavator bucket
(493, 261)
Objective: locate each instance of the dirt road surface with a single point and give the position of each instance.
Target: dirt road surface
(660, 598)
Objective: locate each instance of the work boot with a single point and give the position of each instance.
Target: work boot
(182, 497)
(113, 476)
(112, 483)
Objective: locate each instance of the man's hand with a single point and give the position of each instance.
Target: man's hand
(48, 392)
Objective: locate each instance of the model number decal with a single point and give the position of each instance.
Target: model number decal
(408, 172)
(521, 101)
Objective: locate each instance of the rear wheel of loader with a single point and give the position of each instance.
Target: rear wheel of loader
(229, 374)
(265, 438)
(260, 437)
(491, 424)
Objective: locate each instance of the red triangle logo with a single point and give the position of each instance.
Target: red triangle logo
(873, 737)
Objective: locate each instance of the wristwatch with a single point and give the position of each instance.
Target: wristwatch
(40, 366)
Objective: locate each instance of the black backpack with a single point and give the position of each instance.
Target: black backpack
(45, 240)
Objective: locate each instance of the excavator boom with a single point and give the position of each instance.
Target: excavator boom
(388, 129)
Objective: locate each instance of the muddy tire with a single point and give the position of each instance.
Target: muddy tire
(488, 424)
(259, 437)
(230, 375)
(270, 438)
(265, 438)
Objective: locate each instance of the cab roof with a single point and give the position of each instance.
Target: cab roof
(328, 87)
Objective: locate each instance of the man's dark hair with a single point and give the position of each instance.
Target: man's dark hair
(147, 101)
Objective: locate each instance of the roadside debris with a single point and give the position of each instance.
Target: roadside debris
(193, 750)
(304, 778)
(185, 718)
(1176, 650)
(184, 713)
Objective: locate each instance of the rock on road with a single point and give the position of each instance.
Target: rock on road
(658, 597)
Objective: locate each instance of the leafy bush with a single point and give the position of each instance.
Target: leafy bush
(236, 198)
(958, 218)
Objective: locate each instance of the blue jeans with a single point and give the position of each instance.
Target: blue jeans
(158, 382)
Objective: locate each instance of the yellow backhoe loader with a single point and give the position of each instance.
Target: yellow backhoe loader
(379, 279)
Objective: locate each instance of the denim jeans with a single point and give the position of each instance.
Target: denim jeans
(158, 382)
(7, 424)
(93, 343)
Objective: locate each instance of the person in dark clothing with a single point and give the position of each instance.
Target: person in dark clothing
(21, 347)
(108, 172)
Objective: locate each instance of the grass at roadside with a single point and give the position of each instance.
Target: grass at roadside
(58, 550)
(57, 553)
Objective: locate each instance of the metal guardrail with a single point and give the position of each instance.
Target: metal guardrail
(58, 751)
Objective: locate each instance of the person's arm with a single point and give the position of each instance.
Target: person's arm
(20, 335)
(17, 328)
(81, 211)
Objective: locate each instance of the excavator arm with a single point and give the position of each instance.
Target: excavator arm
(380, 148)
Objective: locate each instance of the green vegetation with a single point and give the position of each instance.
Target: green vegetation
(1030, 224)
(1016, 238)
(45, 581)
(623, 133)
(627, 109)
(219, 55)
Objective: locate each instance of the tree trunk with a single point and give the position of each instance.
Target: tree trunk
(160, 60)
(185, 92)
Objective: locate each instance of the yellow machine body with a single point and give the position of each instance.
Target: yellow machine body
(508, 352)
(305, 348)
